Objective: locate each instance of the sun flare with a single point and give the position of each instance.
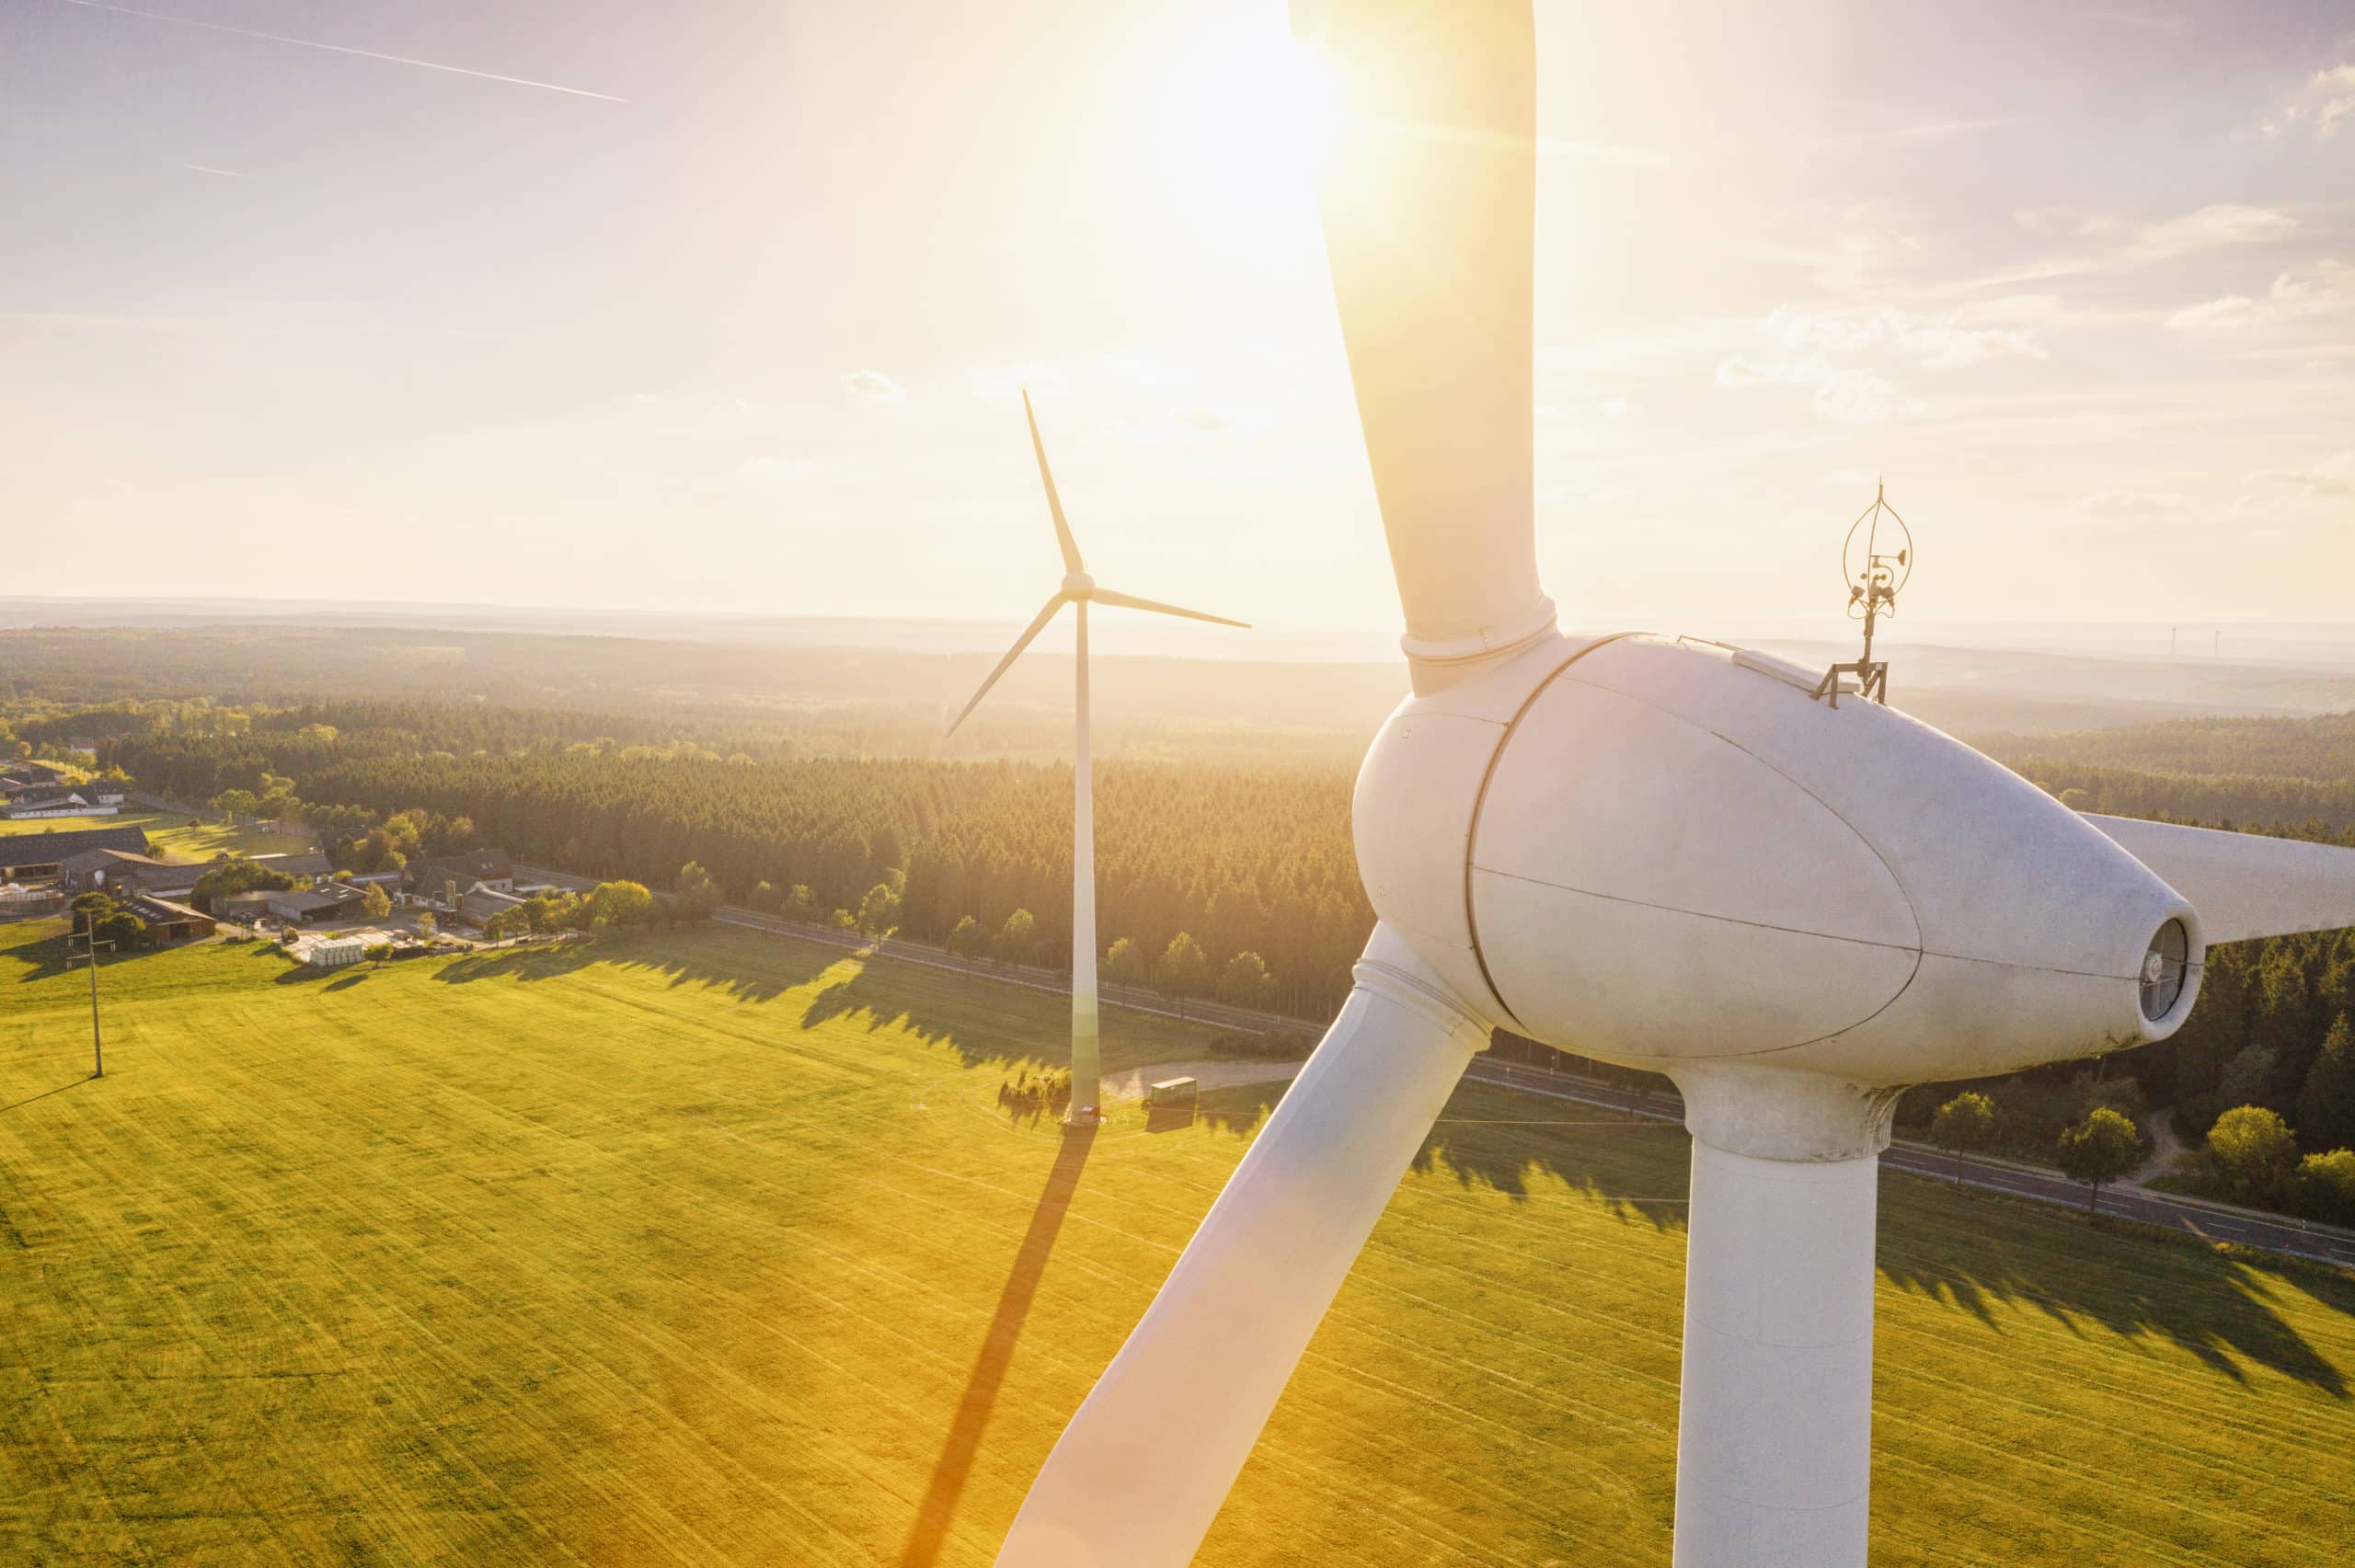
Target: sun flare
(1244, 119)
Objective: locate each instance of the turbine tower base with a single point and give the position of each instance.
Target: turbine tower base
(1774, 1447)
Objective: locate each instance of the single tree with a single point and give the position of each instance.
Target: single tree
(1965, 1122)
(89, 909)
(2100, 1149)
(375, 904)
(2327, 1101)
(122, 927)
(620, 903)
(2325, 1188)
(1244, 982)
(2253, 1150)
(379, 953)
(879, 913)
(235, 803)
(698, 895)
(1015, 938)
(1125, 964)
(969, 939)
(1184, 971)
(800, 904)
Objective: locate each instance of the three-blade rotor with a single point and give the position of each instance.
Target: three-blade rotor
(1077, 588)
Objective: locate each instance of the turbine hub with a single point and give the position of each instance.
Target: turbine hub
(1078, 584)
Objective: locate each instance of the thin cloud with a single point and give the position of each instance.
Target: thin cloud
(1933, 342)
(345, 49)
(2333, 478)
(2210, 228)
(2324, 105)
(225, 174)
(2216, 226)
(1844, 396)
(874, 386)
(2318, 289)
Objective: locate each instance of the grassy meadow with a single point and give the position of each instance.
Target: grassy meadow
(718, 1248)
(172, 835)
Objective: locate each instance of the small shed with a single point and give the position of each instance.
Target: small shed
(1170, 1095)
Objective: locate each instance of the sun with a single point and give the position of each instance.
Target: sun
(1244, 115)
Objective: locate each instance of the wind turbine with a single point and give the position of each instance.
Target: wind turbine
(1661, 852)
(1078, 589)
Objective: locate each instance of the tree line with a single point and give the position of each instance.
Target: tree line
(1249, 863)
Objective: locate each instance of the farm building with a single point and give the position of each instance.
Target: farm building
(482, 902)
(310, 906)
(82, 801)
(24, 855)
(168, 922)
(17, 778)
(243, 908)
(120, 872)
(494, 868)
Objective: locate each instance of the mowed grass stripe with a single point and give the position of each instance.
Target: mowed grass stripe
(689, 1249)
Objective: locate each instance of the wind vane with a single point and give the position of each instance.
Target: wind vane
(1873, 580)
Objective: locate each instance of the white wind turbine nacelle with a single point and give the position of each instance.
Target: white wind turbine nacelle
(1661, 853)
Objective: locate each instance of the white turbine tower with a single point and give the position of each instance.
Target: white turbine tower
(1079, 590)
(1661, 852)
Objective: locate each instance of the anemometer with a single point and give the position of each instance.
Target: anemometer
(1873, 576)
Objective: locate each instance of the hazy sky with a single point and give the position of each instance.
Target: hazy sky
(724, 305)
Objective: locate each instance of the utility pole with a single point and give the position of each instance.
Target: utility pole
(90, 956)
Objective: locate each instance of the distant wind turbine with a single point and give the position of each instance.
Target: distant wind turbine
(1077, 589)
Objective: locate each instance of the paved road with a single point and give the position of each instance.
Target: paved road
(2163, 1209)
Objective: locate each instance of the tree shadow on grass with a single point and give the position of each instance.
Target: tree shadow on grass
(746, 968)
(1030, 1026)
(954, 1465)
(2121, 1278)
(2124, 1280)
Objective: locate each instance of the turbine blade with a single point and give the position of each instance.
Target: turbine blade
(1037, 625)
(1130, 602)
(1068, 546)
(1139, 1473)
(2244, 885)
(1429, 200)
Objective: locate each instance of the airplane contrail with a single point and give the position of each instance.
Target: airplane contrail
(343, 49)
(232, 174)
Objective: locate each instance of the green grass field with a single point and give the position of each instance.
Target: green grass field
(172, 836)
(716, 1248)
